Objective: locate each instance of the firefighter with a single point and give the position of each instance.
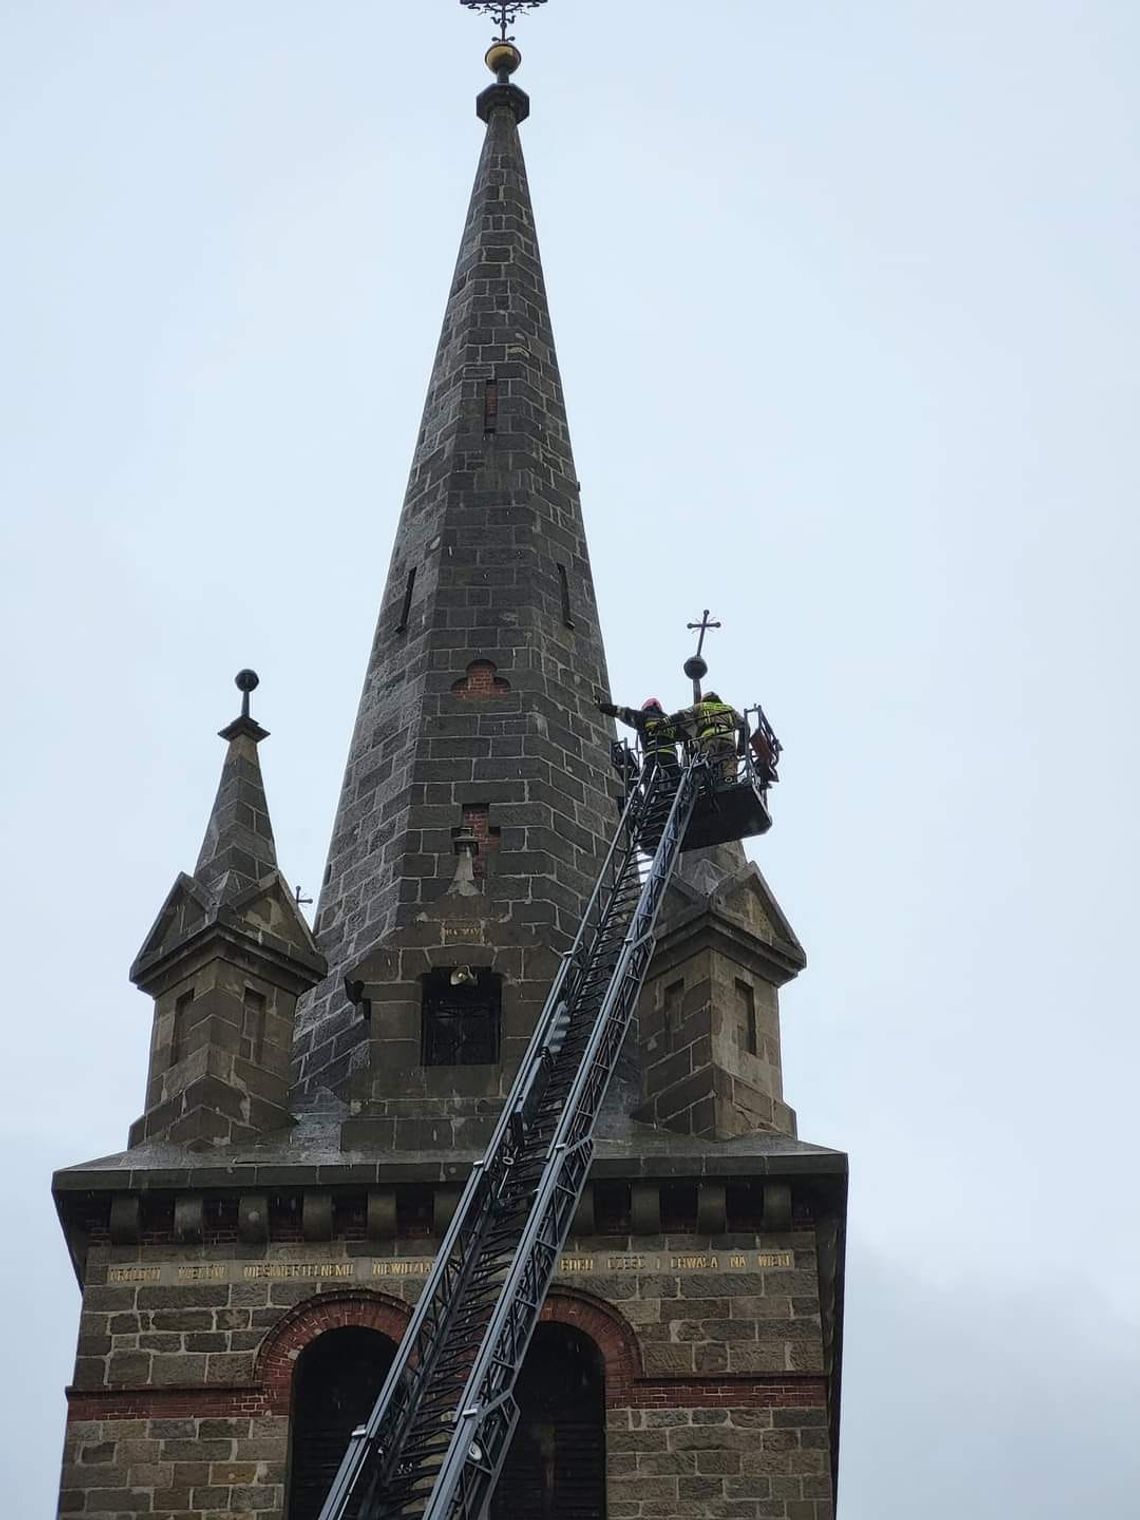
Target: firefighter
(716, 727)
(656, 735)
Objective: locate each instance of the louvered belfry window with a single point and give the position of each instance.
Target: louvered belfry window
(556, 1467)
(337, 1381)
(462, 1010)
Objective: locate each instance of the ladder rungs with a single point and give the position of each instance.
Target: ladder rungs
(468, 1334)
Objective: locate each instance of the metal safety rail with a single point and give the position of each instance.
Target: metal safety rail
(760, 748)
(436, 1441)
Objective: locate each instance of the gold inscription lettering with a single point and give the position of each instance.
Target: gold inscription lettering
(576, 1264)
(419, 1267)
(460, 934)
(279, 1270)
(775, 1259)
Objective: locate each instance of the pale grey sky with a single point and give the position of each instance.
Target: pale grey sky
(848, 313)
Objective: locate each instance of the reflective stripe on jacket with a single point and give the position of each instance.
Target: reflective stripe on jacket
(708, 721)
(660, 736)
(715, 720)
(657, 735)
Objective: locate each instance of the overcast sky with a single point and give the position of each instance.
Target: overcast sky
(847, 307)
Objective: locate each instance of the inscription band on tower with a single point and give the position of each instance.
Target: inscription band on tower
(371, 1269)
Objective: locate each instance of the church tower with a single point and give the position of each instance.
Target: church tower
(316, 1099)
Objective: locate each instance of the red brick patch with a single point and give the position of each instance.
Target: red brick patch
(749, 1392)
(481, 682)
(165, 1403)
(476, 821)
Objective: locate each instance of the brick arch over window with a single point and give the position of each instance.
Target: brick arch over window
(612, 1335)
(277, 1358)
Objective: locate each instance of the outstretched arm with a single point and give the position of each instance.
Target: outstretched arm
(627, 715)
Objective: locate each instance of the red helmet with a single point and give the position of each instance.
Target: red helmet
(652, 704)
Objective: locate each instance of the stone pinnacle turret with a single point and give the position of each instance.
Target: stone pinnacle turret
(226, 961)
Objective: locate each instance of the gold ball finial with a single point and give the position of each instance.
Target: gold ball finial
(503, 58)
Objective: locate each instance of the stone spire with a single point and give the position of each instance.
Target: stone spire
(225, 962)
(238, 850)
(477, 788)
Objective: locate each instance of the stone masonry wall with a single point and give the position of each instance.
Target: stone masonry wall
(680, 1464)
(182, 1393)
(715, 1384)
(176, 1466)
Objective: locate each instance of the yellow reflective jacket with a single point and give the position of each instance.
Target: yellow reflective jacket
(707, 721)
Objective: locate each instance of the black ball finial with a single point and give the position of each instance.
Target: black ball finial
(246, 681)
(695, 668)
(244, 726)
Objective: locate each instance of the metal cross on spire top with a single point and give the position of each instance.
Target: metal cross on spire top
(695, 666)
(704, 625)
(505, 12)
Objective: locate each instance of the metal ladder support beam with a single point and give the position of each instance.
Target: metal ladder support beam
(519, 1203)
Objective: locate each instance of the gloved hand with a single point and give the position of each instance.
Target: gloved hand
(608, 709)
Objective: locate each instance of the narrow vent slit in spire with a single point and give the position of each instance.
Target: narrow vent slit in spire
(564, 588)
(405, 611)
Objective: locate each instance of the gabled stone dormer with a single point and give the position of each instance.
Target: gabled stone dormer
(225, 962)
(709, 1015)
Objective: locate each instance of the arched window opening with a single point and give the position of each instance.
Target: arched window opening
(337, 1381)
(556, 1467)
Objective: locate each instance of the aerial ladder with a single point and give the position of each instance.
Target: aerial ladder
(436, 1441)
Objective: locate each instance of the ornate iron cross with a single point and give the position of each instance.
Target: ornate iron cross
(505, 12)
(704, 625)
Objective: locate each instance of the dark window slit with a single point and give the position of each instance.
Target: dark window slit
(564, 588)
(747, 1032)
(181, 1025)
(672, 1011)
(405, 612)
(253, 1025)
(490, 408)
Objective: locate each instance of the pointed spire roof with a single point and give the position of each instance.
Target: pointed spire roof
(238, 850)
(236, 886)
(487, 661)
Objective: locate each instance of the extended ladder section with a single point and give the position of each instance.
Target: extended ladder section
(437, 1439)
